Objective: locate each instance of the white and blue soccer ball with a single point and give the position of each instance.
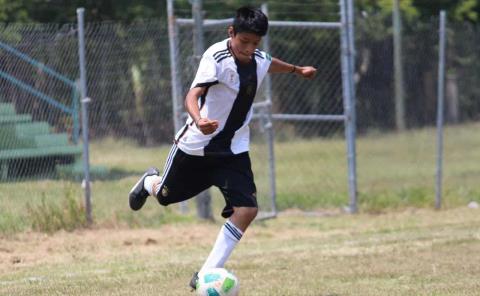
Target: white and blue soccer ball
(217, 282)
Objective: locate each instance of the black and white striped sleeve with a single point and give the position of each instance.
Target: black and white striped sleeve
(206, 73)
(263, 63)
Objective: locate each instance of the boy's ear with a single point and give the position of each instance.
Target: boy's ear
(231, 32)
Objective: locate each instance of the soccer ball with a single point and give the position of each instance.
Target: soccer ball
(217, 282)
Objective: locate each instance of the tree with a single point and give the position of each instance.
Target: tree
(64, 11)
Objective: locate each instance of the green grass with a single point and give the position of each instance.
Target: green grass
(407, 249)
(395, 171)
(411, 252)
(50, 217)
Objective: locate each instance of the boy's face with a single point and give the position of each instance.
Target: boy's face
(244, 45)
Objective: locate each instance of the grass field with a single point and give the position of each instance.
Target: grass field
(412, 252)
(395, 171)
(397, 245)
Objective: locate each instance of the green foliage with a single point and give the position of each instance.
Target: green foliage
(465, 10)
(13, 11)
(385, 7)
(49, 216)
(64, 11)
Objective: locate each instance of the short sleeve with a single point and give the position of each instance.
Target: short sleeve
(263, 63)
(206, 73)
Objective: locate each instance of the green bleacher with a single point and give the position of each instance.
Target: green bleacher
(23, 140)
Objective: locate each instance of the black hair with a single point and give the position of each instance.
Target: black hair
(250, 20)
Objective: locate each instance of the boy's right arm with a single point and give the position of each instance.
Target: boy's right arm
(279, 66)
(205, 125)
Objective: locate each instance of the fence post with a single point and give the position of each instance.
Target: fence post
(204, 199)
(173, 46)
(175, 76)
(85, 100)
(440, 111)
(269, 125)
(398, 68)
(347, 48)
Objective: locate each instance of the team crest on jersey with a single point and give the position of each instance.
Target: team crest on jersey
(231, 77)
(165, 191)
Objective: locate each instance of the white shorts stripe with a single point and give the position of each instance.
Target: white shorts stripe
(168, 164)
(169, 157)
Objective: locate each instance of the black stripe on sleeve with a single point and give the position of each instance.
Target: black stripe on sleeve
(259, 55)
(223, 57)
(220, 52)
(207, 84)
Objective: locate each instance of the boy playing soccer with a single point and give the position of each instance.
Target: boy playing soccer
(212, 147)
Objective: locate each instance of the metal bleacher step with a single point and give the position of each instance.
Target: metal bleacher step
(24, 140)
(7, 109)
(51, 140)
(32, 129)
(26, 153)
(8, 115)
(15, 118)
(10, 140)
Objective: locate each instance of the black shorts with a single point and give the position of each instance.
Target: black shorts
(185, 176)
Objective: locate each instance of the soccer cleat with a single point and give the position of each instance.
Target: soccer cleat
(138, 195)
(194, 281)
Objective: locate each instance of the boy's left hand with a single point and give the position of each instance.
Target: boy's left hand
(307, 72)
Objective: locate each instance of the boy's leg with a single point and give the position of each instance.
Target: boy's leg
(229, 235)
(143, 188)
(243, 216)
(180, 180)
(138, 195)
(235, 180)
(185, 176)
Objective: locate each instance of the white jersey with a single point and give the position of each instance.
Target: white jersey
(231, 88)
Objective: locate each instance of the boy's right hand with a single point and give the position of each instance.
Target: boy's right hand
(207, 126)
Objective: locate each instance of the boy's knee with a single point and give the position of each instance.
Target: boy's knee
(162, 201)
(167, 196)
(248, 213)
(163, 196)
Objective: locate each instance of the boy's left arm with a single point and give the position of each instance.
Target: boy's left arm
(279, 66)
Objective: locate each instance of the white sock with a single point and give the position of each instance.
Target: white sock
(227, 239)
(149, 181)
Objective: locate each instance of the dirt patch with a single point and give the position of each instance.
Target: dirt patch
(34, 248)
(31, 249)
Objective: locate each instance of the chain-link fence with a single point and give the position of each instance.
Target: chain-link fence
(131, 122)
(400, 165)
(128, 74)
(38, 99)
(129, 81)
(309, 152)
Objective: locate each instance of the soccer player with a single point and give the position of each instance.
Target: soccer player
(212, 147)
